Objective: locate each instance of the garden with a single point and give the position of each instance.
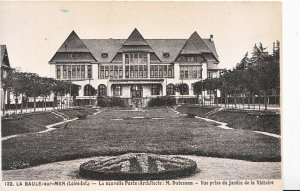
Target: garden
(157, 131)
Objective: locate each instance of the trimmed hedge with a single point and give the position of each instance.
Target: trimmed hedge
(162, 101)
(111, 102)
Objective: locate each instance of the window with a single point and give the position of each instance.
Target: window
(117, 90)
(155, 89)
(170, 89)
(209, 74)
(71, 71)
(88, 90)
(104, 55)
(136, 65)
(102, 90)
(184, 89)
(73, 55)
(89, 70)
(191, 59)
(136, 58)
(82, 71)
(161, 71)
(136, 91)
(191, 72)
(58, 72)
(166, 54)
(65, 72)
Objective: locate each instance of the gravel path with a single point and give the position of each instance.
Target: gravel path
(209, 168)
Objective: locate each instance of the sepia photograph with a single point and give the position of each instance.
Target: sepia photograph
(141, 95)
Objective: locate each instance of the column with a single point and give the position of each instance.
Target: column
(123, 63)
(204, 70)
(148, 64)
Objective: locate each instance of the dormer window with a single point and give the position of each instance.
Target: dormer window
(104, 55)
(166, 54)
(191, 59)
(73, 55)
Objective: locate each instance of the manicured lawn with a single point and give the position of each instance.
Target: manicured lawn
(267, 121)
(34, 122)
(106, 134)
(73, 113)
(28, 123)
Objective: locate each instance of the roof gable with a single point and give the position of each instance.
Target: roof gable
(4, 56)
(212, 47)
(135, 38)
(136, 43)
(190, 48)
(199, 43)
(73, 44)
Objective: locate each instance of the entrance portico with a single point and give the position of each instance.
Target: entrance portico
(137, 92)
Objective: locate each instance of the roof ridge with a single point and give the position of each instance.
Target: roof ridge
(126, 39)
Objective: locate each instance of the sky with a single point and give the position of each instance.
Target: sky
(33, 31)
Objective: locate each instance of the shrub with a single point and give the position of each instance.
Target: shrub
(103, 101)
(111, 102)
(190, 115)
(162, 101)
(116, 101)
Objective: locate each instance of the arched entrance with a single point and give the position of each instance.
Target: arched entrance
(136, 91)
(137, 95)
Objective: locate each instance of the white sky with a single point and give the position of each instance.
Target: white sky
(33, 31)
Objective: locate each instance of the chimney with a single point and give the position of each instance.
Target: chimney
(211, 37)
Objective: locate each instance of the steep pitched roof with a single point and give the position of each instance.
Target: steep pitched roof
(4, 56)
(135, 42)
(190, 48)
(199, 43)
(99, 46)
(135, 38)
(211, 46)
(73, 44)
(171, 46)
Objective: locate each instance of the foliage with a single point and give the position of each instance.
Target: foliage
(111, 102)
(103, 101)
(32, 85)
(260, 72)
(116, 101)
(162, 101)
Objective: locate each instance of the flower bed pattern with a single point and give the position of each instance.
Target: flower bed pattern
(138, 166)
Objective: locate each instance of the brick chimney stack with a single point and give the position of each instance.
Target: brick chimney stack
(211, 37)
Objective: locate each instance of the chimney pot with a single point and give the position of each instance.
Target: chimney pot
(211, 37)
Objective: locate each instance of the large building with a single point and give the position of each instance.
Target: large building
(135, 68)
(5, 68)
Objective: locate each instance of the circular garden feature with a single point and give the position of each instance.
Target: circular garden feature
(138, 166)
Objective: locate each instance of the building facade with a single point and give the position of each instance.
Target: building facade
(5, 69)
(135, 68)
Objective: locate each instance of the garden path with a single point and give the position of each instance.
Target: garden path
(209, 168)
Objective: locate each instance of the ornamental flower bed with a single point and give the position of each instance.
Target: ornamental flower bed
(138, 166)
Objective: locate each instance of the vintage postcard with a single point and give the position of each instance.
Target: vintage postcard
(140, 95)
